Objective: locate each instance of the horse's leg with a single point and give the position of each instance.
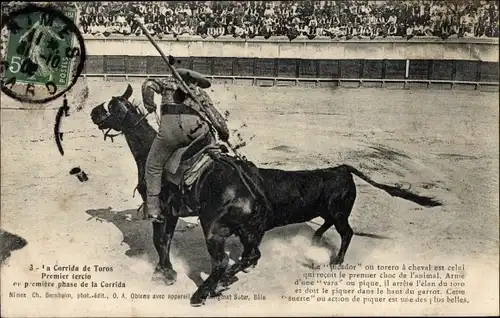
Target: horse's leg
(249, 258)
(141, 188)
(229, 278)
(162, 236)
(157, 241)
(215, 236)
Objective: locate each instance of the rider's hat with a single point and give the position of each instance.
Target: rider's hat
(191, 76)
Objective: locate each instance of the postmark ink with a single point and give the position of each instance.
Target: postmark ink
(44, 54)
(63, 111)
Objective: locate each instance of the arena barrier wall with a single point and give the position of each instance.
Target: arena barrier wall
(378, 62)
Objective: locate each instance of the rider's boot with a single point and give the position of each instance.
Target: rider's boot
(153, 209)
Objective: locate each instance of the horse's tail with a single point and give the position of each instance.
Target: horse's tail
(395, 191)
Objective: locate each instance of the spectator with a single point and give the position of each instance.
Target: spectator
(336, 19)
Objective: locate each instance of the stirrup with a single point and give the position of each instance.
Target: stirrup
(158, 219)
(148, 216)
(154, 218)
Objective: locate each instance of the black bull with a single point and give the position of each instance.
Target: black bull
(228, 207)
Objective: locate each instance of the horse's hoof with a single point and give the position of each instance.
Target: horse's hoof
(248, 269)
(167, 276)
(170, 276)
(157, 276)
(169, 282)
(197, 301)
(156, 219)
(197, 304)
(229, 281)
(218, 291)
(336, 261)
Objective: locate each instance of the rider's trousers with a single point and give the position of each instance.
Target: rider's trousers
(175, 131)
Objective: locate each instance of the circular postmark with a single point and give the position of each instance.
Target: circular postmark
(43, 53)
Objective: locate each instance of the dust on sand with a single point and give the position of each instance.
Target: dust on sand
(439, 143)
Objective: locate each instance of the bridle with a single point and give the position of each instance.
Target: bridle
(127, 110)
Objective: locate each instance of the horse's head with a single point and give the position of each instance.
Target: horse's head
(118, 113)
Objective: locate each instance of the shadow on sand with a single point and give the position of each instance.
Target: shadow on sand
(8, 243)
(188, 243)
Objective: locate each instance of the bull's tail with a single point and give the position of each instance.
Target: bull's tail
(396, 191)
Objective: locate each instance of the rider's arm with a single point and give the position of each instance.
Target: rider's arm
(152, 86)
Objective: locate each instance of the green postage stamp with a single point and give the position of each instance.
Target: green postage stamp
(43, 53)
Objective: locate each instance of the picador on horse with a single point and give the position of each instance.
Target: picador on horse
(230, 195)
(184, 124)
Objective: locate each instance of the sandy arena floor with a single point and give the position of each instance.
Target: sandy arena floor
(443, 143)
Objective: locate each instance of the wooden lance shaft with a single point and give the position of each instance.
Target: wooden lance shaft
(180, 80)
(171, 67)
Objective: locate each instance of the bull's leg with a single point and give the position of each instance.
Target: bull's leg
(339, 213)
(346, 233)
(322, 229)
(220, 260)
(162, 237)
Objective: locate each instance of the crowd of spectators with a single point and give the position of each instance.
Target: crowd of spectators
(334, 19)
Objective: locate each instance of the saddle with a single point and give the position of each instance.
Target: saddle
(186, 165)
(184, 168)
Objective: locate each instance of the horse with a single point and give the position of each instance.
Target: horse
(238, 198)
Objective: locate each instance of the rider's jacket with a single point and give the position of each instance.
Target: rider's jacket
(166, 88)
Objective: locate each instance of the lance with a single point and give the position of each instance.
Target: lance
(181, 81)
